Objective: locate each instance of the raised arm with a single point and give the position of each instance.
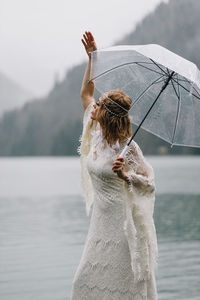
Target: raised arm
(87, 89)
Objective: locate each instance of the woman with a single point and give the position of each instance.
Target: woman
(119, 257)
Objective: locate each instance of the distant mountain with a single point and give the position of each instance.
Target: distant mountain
(174, 25)
(52, 125)
(47, 126)
(12, 95)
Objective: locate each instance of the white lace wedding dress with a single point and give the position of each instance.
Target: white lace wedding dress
(120, 253)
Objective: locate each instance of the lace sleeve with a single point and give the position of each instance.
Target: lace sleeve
(83, 150)
(87, 112)
(140, 172)
(86, 132)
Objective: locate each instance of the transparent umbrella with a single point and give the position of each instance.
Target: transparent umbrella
(163, 86)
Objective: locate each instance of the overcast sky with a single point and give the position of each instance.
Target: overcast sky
(39, 38)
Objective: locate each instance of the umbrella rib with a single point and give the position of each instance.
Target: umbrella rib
(192, 104)
(125, 64)
(158, 66)
(192, 86)
(144, 92)
(185, 89)
(139, 64)
(190, 82)
(168, 72)
(178, 110)
(144, 62)
(161, 80)
(185, 80)
(178, 87)
(175, 90)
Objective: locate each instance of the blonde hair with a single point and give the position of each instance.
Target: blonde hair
(113, 117)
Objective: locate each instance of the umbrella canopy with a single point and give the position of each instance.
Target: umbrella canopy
(163, 86)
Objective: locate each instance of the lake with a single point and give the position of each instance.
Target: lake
(43, 226)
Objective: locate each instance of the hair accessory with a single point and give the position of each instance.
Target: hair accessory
(117, 115)
(114, 102)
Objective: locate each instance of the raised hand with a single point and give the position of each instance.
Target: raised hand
(89, 42)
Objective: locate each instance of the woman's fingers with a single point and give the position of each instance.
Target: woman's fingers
(118, 164)
(91, 36)
(86, 39)
(117, 170)
(117, 167)
(84, 43)
(89, 41)
(120, 158)
(88, 36)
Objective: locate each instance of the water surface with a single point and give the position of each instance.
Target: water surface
(43, 226)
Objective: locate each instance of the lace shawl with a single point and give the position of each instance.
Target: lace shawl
(139, 207)
(138, 201)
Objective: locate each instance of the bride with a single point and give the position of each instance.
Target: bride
(120, 252)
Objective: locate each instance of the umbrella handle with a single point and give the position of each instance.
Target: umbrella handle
(124, 151)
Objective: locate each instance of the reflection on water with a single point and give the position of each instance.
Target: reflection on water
(37, 242)
(41, 242)
(42, 238)
(177, 217)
